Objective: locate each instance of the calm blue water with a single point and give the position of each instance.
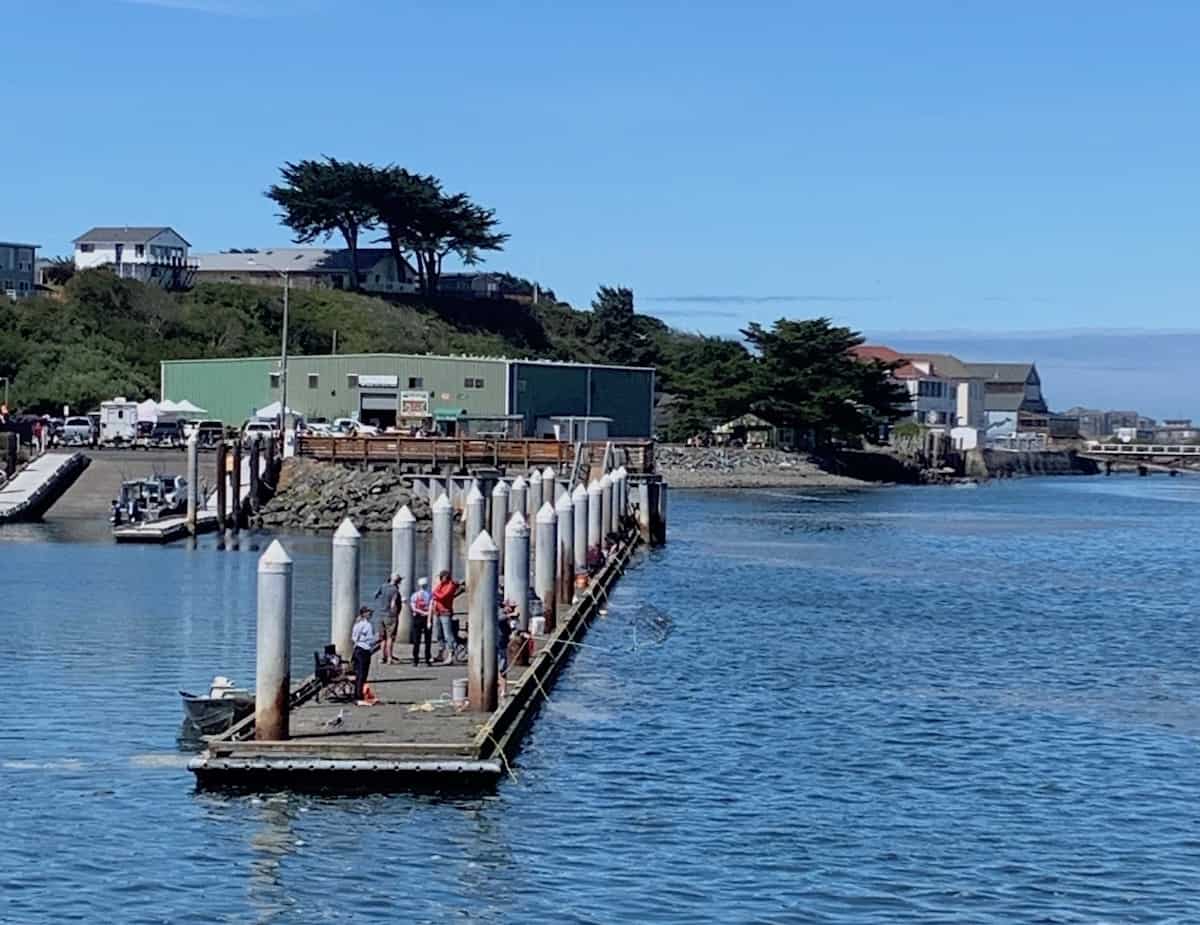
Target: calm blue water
(908, 705)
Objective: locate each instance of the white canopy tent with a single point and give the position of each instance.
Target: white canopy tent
(271, 412)
(147, 411)
(186, 407)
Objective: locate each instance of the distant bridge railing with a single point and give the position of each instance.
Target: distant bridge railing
(1142, 449)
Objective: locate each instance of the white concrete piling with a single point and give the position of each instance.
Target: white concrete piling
(193, 480)
(606, 506)
(552, 489)
(565, 564)
(482, 664)
(545, 579)
(476, 509)
(404, 564)
(345, 586)
(661, 531)
(441, 556)
(643, 512)
(595, 500)
(621, 496)
(516, 557)
(579, 505)
(500, 516)
(518, 497)
(534, 499)
(273, 646)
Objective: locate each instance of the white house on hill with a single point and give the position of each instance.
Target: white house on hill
(154, 255)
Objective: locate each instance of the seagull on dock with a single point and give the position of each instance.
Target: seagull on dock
(337, 721)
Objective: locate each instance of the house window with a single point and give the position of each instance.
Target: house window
(352, 381)
(86, 248)
(314, 380)
(472, 383)
(274, 380)
(416, 382)
(140, 250)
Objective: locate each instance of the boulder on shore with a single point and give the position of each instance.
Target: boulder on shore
(318, 496)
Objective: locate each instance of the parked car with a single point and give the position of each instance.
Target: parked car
(77, 431)
(261, 429)
(211, 433)
(166, 434)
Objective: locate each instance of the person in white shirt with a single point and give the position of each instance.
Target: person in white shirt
(421, 604)
(364, 639)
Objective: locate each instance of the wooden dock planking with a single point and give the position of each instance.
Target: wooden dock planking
(392, 747)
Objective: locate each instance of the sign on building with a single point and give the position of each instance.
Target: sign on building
(414, 404)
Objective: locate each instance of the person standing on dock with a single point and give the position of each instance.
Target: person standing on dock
(444, 593)
(389, 593)
(364, 638)
(421, 604)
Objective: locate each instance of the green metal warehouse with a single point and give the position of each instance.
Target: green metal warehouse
(373, 386)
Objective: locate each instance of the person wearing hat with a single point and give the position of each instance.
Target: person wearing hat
(364, 639)
(421, 604)
(389, 621)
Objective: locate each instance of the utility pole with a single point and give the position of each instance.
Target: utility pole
(283, 359)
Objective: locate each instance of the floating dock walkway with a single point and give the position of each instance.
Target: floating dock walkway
(33, 490)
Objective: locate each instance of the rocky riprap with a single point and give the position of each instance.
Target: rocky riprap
(724, 459)
(318, 496)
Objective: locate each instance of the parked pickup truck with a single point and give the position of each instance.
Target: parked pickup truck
(77, 431)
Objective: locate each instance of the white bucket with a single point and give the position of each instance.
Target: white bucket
(537, 626)
(458, 692)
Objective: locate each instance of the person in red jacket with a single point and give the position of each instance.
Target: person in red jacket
(444, 593)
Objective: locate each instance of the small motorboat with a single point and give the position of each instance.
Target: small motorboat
(225, 705)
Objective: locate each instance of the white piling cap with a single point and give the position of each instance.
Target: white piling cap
(516, 525)
(563, 505)
(474, 494)
(519, 483)
(441, 504)
(605, 481)
(546, 515)
(595, 488)
(579, 494)
(500, 489)
(483, 549)
(549, 473)
(535, 476)
(275, 559)
(346, 534)
(403, 517)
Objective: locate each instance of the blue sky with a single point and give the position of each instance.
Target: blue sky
(928, 166)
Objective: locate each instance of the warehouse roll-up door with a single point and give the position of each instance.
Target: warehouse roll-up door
(378, 408)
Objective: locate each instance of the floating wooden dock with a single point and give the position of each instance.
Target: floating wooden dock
(414, 739)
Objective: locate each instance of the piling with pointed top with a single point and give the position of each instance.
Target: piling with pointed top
(482, 663)
(606, 506)
(273, 645)
(545, 581)
(475, 511)
(345, 587)
(565, 566)
(441, 556)
(518, 497)
(500, 517)
(579, 505)
(595, 500)
(552, 488)
(404, 564)
(516, 560)
(534, 498)
(193, 480)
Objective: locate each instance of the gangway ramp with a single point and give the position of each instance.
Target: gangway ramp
(29, 494)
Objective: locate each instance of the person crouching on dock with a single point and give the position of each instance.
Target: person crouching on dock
(364, 638)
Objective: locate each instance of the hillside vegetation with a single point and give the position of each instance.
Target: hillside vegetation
(102, 336)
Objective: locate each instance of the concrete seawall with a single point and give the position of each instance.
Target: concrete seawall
(1007, 463)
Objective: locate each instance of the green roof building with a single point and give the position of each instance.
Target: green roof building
(387, 388)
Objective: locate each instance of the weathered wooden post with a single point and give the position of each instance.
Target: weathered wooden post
(222, 491)
(660, 533)
(579, 531)
(606, 506)
(518, 496)
(516, 560)
(534, 498)
(235, 487)
(643, 514)
(193, 480)
(255, 450)
(475, 514)
(565, 566)
(482, 665)
(346, 543)
(500, 516)
(404, 564)
(595, 499)
(545, 582)
(441, 557)
(273, 647)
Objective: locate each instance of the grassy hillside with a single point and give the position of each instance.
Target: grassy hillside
(103, 336)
